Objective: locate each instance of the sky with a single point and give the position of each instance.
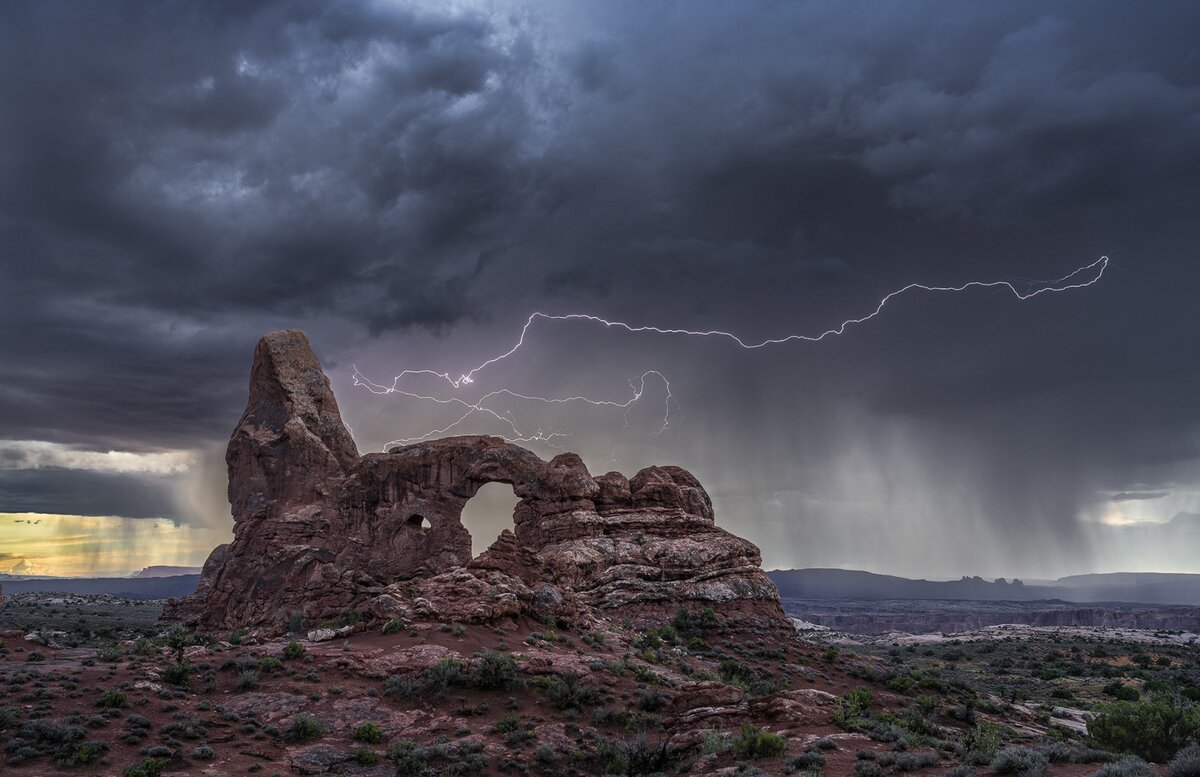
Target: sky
(408, 182)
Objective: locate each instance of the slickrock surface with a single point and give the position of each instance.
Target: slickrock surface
(321, 532)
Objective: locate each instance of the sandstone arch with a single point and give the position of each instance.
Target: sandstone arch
(320, 530)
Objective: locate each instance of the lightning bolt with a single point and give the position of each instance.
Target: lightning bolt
(1082, 277)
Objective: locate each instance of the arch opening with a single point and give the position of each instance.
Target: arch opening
(488, 513)
(417, 522)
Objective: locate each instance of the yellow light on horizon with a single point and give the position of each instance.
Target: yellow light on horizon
(99, 546)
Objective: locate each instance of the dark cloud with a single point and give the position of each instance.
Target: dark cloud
(74, 492)
(408, 181)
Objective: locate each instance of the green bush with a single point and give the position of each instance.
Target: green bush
(751, 742)
(370, 733)
(394, 626)
(150, 767)
(293, 650)
(84, 754)
(566, 692)
(113, 700)
(365, 755)
(305, 727)
(1153, 729)
(177, 673)
(496, 671)
(407, 758)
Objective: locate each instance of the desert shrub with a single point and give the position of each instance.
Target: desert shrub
(1186, 762)
(495, 671)
(304, 727)
(177, 673)
(247, 680)
(203, 753)
(35, 655)
(980, 743)
(901, 684)
(1153, 729)
(370, 733)
(567, 692)
(149, 767)
(637, 756)
(269, 665)
(867, 769)
(751, 742)
(805, 762)
(1122, 692)
(735, 672)
(366, 756)
(908, 762)
(962, 770)
(447, 672)
(852, 707)
(109, 653)
(508, 723)
(113, 700)
(1019, 761)
(1129, 766)
(186, 728)
(394, 626)
(293, 650)
(825, 743)
(716, 742)
(84, 754)
(651, 700)
(236, 636)
(407, 758)
(1072, 753)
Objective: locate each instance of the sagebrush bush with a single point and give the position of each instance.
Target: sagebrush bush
(867, 769)
(293, 650)
(1019, 761)
(1129, 766)
(805, 762)
(1186, 762)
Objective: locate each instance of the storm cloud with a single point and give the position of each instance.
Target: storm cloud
(407, 183)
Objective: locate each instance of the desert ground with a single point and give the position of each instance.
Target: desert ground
(95, 685)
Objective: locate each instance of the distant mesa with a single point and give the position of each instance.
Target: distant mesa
(164, 571)
(321, 532)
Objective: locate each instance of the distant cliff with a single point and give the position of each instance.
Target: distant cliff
(1144, 588)
(130, 588)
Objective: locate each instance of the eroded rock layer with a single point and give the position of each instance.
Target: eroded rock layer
(320, 532)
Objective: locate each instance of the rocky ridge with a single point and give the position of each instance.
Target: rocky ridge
(322, 533)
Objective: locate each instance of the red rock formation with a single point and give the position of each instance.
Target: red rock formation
(321, 531)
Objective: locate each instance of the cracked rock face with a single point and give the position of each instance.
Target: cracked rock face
(320, 531)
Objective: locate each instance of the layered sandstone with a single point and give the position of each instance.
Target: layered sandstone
(320, 531)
